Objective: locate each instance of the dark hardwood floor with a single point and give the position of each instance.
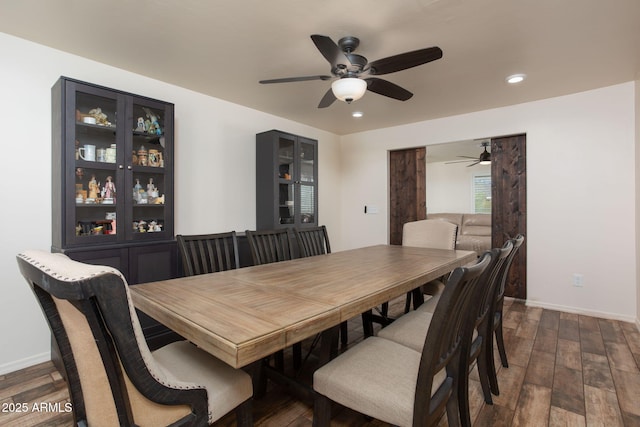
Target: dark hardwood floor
(564, 370)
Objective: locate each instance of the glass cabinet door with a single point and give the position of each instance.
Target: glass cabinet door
(97, 182)
(286, 181)
(148, 160)
(307, 182)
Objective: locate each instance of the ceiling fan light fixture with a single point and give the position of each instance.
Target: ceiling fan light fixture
(349, 89)
(357, 114)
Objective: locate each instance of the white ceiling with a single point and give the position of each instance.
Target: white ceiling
(223, 48)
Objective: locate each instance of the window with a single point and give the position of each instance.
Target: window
(481, 188)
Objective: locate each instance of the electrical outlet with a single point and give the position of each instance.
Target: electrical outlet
(578, 280)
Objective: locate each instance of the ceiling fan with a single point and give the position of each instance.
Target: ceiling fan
(483, 159)
(350, 68)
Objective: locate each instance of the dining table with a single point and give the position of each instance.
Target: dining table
(244, 315)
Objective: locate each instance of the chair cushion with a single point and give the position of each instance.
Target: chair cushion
(377, 377)
(410, 330)
(226, 387)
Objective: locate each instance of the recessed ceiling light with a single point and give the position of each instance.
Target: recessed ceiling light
(357, 114)
(516, 78)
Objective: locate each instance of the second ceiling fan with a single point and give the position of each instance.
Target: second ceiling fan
(483, 159)
(350, 68)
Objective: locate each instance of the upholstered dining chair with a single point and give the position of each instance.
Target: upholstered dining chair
(269, 246)
(496, 310)
(429, 233)
(426, 233)
(208, 253)
(113, 378)
(397, 384)
(411, 329)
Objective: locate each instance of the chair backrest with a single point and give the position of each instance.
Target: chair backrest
(430, 233)
(313, 241)
(269, 246)
(490, 281)
(451, 324)
(112, 377)
(504, 274)
(208, 253)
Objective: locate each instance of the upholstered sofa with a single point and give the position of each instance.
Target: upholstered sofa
(474, 230)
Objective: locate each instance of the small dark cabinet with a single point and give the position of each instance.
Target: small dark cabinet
(286, 180)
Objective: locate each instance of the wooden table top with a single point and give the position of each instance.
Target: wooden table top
(243, 315)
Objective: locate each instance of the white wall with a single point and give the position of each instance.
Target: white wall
(215, 171)
(580, 192)
(449, 186)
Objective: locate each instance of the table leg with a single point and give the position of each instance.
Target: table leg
(329, 345)
(418, 297)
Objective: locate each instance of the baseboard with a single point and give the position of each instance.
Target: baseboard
(576, 310)
(24, 363)
(638, 324)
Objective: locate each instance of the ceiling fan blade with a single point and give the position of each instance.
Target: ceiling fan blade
(473, 164)
(386, 88)
(405, 60)
(295, 79)
(461, 161)
(330, 50)
(469, 157)
(327, 99)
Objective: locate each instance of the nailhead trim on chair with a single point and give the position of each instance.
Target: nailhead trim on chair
(99, 270)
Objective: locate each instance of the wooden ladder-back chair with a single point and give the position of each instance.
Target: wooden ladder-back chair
(269, 246)
(208, 253)
(496, 310)
(397, 384)
(112, 376)
(312, 241)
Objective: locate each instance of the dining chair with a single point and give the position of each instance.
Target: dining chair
(429, 233)
(314, 241)
(397, 384)
(426, 233)
(112, 376)
(411, 329)
(269, 246)
(208, 253)
(496, 323)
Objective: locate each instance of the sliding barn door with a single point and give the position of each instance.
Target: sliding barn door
(407, 198)
(509, 204)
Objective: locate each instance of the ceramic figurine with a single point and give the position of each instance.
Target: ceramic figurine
(94, 188)
(109, 189)
(140, 127)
